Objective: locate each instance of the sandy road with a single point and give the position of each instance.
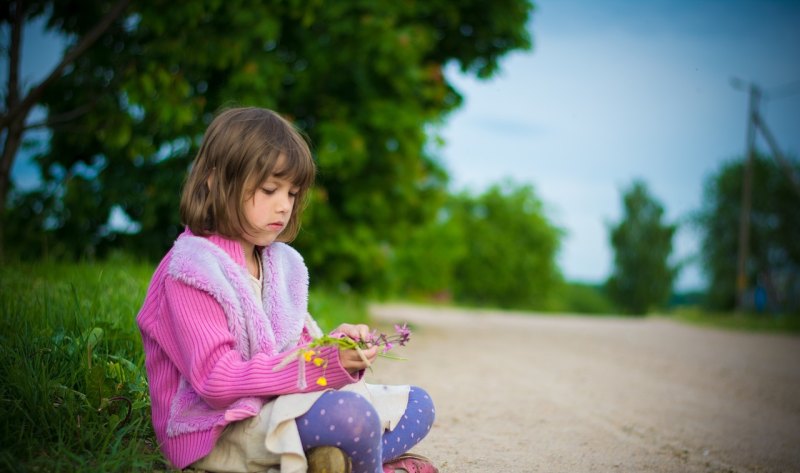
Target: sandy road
(579, 394)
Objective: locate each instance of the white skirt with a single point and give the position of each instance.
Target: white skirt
(270, 441)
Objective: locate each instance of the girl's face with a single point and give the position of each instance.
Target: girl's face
(268, 210)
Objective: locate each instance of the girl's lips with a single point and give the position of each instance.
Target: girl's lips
(275, 225)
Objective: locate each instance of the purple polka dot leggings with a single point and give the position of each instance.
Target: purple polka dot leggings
(348, 421)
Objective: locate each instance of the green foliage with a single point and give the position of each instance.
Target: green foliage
(424, 265)
(511, 247)
(71, 369)
(581, 298)
(332, 308)
(642, 276)
(774, 263)
(743, 321)
(363, 79)
(493, 249)
(73, 390)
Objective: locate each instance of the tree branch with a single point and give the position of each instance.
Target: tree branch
(65, 117)
(87, 41)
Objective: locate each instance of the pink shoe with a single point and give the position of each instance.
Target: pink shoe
(410, 463)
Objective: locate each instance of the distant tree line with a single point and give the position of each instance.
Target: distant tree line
(643, 275)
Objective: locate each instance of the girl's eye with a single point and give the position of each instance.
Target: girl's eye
(268, 191)
(293, 194)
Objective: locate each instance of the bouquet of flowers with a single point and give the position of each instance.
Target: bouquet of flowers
(308, 354)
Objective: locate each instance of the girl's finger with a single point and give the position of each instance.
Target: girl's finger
(363, 331)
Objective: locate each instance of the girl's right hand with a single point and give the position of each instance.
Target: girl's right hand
(353, 363)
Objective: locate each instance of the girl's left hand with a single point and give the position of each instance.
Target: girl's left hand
(358, 332)
(353, 362)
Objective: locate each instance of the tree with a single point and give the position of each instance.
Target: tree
(363, 79)
(18, 101)
(642, 276)
(511, 247)
(773, 269)
(425, 264)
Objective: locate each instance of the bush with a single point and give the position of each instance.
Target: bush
(582, 298)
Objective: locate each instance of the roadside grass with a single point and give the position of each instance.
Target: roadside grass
(747, 321)
(73, 391)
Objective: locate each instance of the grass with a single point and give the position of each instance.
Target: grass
(750, 322)
(73, 391)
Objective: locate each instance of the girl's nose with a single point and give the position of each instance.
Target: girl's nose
(285, 203)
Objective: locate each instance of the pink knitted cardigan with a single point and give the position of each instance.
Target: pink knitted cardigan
(210, 346)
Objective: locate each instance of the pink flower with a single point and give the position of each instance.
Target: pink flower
(404, 334)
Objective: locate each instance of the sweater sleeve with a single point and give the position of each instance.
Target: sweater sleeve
(196, 338)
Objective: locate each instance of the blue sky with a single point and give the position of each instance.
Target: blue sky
(613, 90)
(618, 90)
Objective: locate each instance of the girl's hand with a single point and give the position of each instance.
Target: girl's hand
(358, 332)
(352, 362)
(348, 357)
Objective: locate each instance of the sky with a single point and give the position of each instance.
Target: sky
(612, 91)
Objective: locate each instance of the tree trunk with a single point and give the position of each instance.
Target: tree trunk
(13, 129)
(12, 121)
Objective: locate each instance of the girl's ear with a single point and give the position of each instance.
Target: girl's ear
(210, 179)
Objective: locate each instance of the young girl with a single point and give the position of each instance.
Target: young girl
(228, 303)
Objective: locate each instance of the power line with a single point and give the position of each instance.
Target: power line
(783, 91)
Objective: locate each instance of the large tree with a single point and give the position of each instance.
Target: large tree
(18, 98)
(642, 277)
(773, 266)
(363, 79)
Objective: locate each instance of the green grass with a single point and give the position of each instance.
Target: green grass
(750, 322)
(73, 391)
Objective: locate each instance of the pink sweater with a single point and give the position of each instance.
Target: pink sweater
(189, 346)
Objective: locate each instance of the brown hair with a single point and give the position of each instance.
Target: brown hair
(240, 150)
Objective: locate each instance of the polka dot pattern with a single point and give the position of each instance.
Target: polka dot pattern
(413, 426)
(348, 421)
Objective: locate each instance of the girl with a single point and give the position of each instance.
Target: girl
(228, 303)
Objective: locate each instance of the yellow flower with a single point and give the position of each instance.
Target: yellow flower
(322, 381)
(308, 354)
(319, 361)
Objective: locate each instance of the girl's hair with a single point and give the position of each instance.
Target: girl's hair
(241, 150)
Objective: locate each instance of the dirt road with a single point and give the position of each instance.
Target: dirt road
(579, 394)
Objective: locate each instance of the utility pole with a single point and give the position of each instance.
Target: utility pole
(747, 198)
(755, 122)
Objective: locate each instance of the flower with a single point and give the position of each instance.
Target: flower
(404, 333)
(307, 354)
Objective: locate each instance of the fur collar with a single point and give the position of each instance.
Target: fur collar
(270, 325)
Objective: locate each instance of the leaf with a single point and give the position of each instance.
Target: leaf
(94, 337)
(95, 384)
